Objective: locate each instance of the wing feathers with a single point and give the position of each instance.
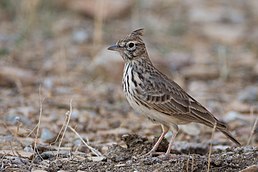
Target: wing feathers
(159, 93)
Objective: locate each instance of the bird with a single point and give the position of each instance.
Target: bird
(157, 97)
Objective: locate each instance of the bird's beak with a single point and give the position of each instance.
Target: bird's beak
(113, 48)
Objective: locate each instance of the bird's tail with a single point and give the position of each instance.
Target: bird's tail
(221, 126)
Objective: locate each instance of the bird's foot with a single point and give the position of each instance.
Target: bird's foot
(151, 154)
(166, 156)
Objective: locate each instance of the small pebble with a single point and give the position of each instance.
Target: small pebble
(46, 135)
(80, 36)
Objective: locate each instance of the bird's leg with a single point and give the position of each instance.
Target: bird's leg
(155, 147)
(174, 132)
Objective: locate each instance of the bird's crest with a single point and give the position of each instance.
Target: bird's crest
(136, 34)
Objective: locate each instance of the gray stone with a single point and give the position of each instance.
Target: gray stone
(46, 135)
(248, 94)
(80, 36)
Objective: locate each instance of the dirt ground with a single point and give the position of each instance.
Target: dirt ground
(61, 103)
(185, 157)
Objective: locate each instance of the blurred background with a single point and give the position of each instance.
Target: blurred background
(52, 52)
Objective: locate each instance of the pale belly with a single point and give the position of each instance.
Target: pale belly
(154, 115)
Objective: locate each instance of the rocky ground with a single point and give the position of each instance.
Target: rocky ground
(62, 107)
(185, 157)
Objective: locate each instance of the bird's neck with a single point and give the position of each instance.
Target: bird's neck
(142, 60)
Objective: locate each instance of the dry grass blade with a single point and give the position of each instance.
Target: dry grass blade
(60, 132)
(187, 162)
(192, 166)
(40, 115)
(68, 117)
(252, 131)
(96, 152)
(32, 131)
(209, 156)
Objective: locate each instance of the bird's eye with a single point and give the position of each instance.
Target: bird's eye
(131, 45)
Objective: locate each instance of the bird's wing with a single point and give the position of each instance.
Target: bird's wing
(166, 96)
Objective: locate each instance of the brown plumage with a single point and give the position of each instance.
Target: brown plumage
(156, 96)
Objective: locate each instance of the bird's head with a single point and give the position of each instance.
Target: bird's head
(131, 47)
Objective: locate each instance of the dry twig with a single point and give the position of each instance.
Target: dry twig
(252, 131)
(192, 166)
(68, 117)
(187, 162)
(40, 115)
(209, 156)
(96, 152)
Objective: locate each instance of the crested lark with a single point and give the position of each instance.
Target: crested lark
(157, 97)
